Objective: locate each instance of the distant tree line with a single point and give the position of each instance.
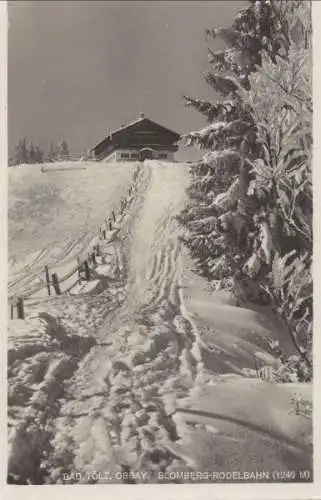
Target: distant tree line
(30, 154)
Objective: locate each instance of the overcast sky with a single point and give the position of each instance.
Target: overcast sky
(77, 69)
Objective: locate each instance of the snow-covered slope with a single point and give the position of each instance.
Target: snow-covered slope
(131, 372)
(55, 211)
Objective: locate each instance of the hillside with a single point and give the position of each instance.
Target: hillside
(55, 214)
(150, 371)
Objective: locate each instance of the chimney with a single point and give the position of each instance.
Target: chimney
(141, 114)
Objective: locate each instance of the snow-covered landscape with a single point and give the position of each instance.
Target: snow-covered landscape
(160, 264)
(144, 373)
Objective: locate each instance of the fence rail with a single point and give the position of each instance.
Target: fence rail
(69, 275)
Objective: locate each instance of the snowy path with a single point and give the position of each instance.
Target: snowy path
(119, 402)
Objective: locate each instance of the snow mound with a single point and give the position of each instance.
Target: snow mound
(255, 424)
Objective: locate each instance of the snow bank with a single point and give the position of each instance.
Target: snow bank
(234, 339)
(26, 337)
(253, 424)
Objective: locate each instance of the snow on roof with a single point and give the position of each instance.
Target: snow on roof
(130, 124)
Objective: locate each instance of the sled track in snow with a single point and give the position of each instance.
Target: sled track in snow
(148, 362)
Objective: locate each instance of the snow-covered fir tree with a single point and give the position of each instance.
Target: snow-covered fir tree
(21, 152)
(64, 151)
(32, 154)
(53, 152)
(251, 196)
(39, 155)
(220, 180)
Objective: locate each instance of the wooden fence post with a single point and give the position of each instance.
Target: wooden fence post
(79, 269)
(11, 310)
(97, 250)
(47, 280)
(110, 224)
(114, 215)
(55, 282)
(87, 270)
(104, 234)
(20, 308)
(93, 258)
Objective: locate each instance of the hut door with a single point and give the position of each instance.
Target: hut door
(146, 154)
